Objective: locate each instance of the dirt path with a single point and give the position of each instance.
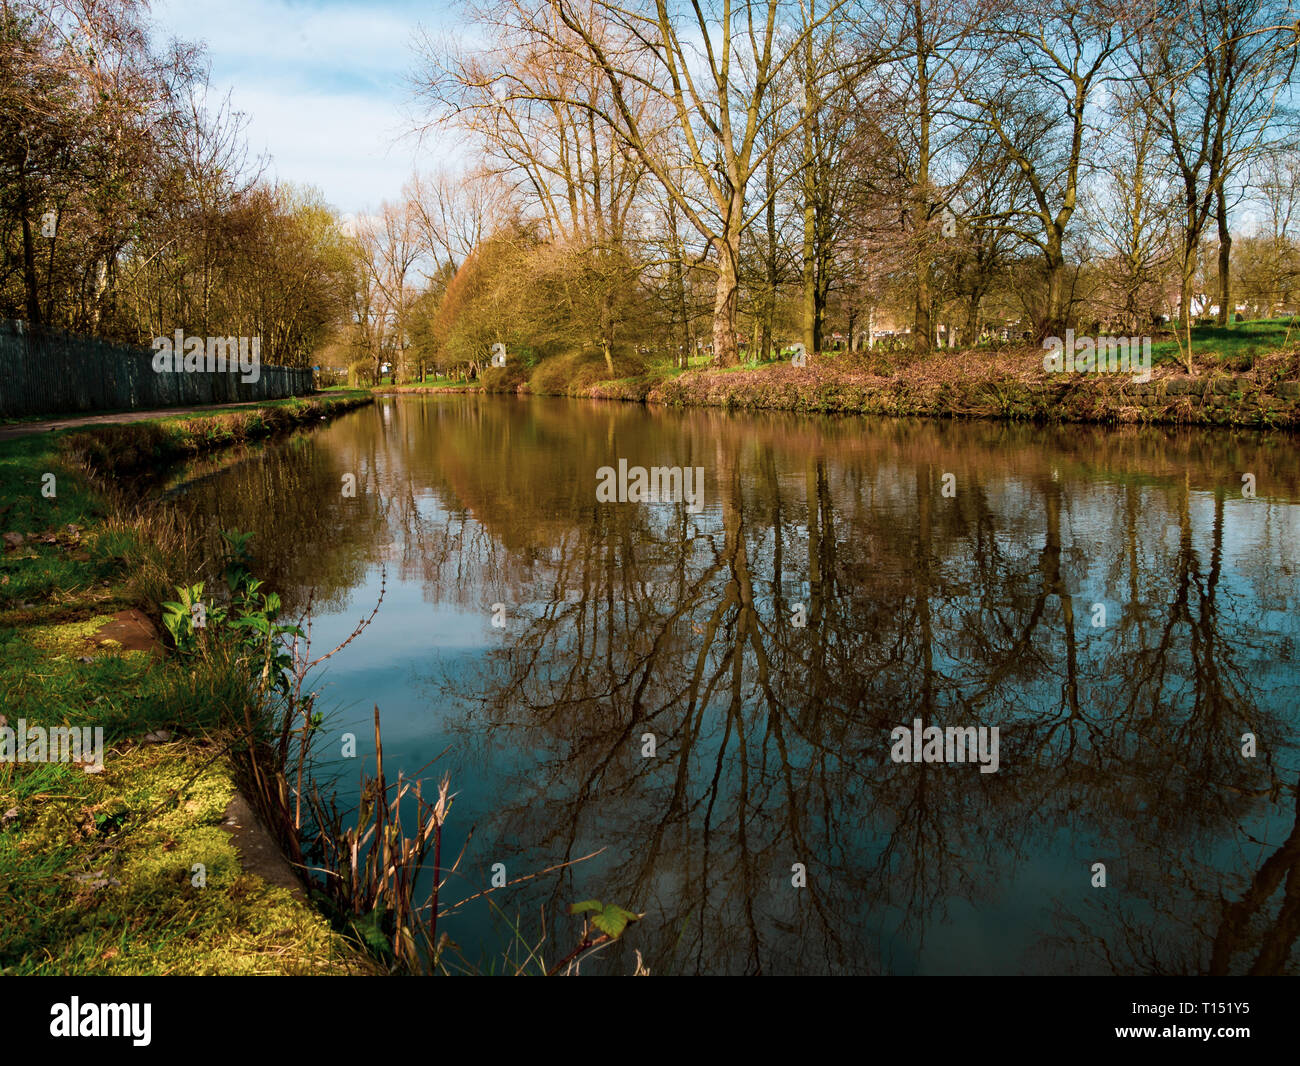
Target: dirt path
(26, 429)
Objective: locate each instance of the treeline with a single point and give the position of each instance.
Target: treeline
(129, 207)
(653, 178)
(735, 176)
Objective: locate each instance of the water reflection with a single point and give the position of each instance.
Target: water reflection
(1108, 599)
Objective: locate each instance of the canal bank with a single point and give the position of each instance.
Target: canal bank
(1007, 385)
(143, 860)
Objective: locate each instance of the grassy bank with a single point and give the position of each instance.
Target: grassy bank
(1247, 374)
(135, 446)
(1009, 385)
(130, 867)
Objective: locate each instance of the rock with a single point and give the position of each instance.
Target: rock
(129, 630)
(97, 879)
(158, 736)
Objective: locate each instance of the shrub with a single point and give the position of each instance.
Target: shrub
(506, 378)
(569, 374)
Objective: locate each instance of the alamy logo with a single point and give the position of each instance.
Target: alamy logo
(951, 745)
(1102, 355)
(102, 1019)
(213, 355)
(56, 744)
(659, 484)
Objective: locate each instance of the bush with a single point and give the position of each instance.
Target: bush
(569, 374)
(506, 378)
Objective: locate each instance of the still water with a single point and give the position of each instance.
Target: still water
(1110, 600)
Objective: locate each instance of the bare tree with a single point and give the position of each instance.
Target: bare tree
(452, 212)
(715, 67)
(1038, 93)
(1133, 210)
(1213, 71)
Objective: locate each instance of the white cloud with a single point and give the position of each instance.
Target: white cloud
(290, 39)
(344, 143)
(322, 85)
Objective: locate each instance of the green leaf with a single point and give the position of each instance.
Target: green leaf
(613, 920)
(610, 918)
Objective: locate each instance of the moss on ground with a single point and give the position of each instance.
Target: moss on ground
(99, 871)
(102, 875)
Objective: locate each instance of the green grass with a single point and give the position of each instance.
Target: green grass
(97, 870)
(199, 411)
(291, 403)
(130, 447)
(71, 556)
(97, 876)
(1237, 345)
(23, 508)
(433, 383)
(54, 565)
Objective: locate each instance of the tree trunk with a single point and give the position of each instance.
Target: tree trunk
(1190, 243)
(772, 265)
(29, 251)
(973, 320)
(725, 301)
(607, 329)
(1185, 292)
(1225, 259)
(923, 317)
(810, 338)
(1053, 324)
(679, 289)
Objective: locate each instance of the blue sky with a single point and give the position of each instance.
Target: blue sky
(323, 84)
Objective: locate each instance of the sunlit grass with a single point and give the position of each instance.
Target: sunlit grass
(97, 870)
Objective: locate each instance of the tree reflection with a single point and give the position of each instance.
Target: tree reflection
(1120, 740)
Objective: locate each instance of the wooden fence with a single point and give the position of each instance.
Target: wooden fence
(52, 372)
